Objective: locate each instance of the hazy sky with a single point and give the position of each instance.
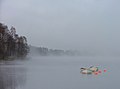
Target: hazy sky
(66, 24)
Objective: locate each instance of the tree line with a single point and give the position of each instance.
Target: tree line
(43, 51)
(11, 44)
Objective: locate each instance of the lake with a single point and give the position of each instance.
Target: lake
(59, 73)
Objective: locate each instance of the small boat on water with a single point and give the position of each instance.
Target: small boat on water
(90, 70)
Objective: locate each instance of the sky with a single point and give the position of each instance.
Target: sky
(91, 25)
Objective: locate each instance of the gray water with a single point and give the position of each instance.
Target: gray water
(59, 73)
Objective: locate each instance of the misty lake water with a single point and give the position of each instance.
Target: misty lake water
(59, 73)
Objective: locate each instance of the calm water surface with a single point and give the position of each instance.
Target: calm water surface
(59, 73)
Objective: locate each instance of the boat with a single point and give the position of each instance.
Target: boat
(89, 70)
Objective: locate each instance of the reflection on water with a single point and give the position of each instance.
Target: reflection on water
(12, 76)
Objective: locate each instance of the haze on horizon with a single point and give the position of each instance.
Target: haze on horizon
(91, 25)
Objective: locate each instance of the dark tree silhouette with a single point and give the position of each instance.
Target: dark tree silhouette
(12, 45)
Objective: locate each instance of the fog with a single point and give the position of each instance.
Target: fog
(84, 25)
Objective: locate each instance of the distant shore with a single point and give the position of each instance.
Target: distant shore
(44, 51)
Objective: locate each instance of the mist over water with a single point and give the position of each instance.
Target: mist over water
(44, 51)
(59, 73)
(67, 35)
